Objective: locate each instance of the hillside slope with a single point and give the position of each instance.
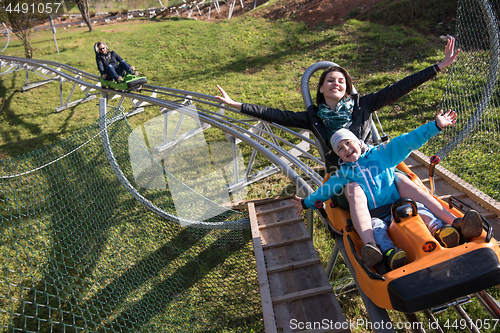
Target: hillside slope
(312, 12)
(436, 17)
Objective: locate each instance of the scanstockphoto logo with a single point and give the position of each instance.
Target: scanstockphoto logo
(170, 152)
(368, 326)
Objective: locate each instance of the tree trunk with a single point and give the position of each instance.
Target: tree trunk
(21, 23)
(25, 38)
(83, 6)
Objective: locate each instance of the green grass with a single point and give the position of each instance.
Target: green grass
(111, 6)
(255, 60)
(436, 17)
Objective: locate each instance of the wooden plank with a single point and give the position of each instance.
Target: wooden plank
(298, 285)
(281, 223)
(289, 253)
(274, 210)
(269, 236)
(457, 195)
(292, 265)
(265, 293)
(302, 294)
(286, 242)
(309, 277)
(243, 204)
(297, 279)
(294, 230)
(292, 314)
(276, 256)
(285, 312)
(283, 233)
(325, 306)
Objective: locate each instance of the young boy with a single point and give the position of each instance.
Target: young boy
(373, 169)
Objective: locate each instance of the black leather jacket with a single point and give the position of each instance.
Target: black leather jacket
(363, 108)
(103, 61)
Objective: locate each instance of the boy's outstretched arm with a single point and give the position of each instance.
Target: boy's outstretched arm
(228, 100)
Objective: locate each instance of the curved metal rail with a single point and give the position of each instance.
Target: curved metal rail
(253, 135)
(8, 37)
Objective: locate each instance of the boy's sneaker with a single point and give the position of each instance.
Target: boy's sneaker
(447, 236)
(394, 258)
(119, 79)
(371, 254)
(471, 225)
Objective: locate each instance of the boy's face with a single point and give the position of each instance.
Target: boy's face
(349, 150)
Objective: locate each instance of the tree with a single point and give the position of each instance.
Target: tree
(83, 5)
(21, 16)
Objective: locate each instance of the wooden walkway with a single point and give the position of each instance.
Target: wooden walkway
(295, 292)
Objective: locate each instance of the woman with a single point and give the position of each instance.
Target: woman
(111, 66)
(337, 107)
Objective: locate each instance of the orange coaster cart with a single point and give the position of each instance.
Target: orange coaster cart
(433, 275)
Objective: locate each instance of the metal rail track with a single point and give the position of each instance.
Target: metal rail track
(273, 148)
(286, 157)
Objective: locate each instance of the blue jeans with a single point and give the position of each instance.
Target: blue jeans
(380, 226)
(121, 70)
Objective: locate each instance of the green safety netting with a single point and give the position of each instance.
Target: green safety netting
(470, 148)
(79, 253)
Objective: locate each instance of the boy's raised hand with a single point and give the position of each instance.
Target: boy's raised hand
(298, 204)
(446, 119)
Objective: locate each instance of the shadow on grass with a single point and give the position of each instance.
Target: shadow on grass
(15, 122)
(13, 119)
(104, 262)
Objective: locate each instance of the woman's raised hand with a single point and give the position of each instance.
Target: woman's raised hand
(227, 100)
(449, 53)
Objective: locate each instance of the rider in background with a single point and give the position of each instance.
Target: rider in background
(110, 64)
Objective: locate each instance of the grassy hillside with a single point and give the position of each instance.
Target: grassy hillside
(255, 60)
(430, 17)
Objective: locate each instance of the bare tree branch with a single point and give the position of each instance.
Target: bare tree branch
(21, 16)
(83, 5)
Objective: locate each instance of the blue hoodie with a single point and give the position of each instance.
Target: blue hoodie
(374, 170)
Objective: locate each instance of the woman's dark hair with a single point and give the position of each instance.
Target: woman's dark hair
(320, 98)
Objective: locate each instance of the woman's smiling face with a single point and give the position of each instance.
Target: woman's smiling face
(334, 86)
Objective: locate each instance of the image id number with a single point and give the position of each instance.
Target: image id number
(35, 8)
(480, 324)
